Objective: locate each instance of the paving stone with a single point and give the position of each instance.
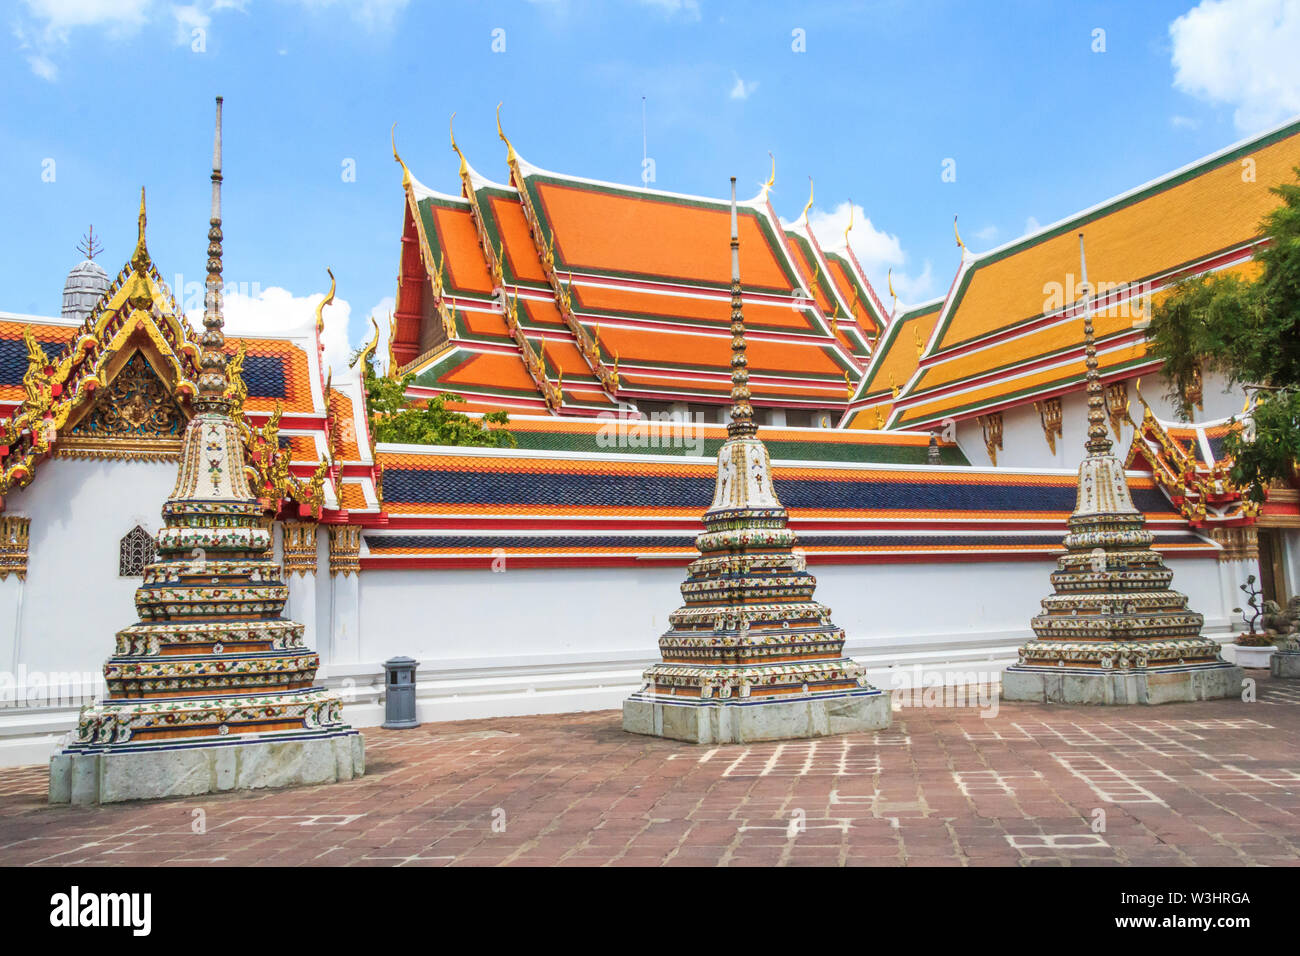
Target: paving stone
(1209, 783)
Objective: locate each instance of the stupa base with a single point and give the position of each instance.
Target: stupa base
(751, 720)
(148, 773)
(1165, 685)
(1285, 664)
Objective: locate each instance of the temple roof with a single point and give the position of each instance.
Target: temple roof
(1188, 462)
(624, 290)
(1007, 335)
(895, 361)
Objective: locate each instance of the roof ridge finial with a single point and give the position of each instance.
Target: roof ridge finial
(320, 306)
(406, 173)
(849, 227)
(771, 179)
(1099, 442)
(742, 413)
(464, 165)
(212, 360)
(808, 205)
(140, 257)
(511, 156)
(957, 235)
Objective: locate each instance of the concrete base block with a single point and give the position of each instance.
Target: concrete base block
(719, 722)
(1046, 685)
(114, 777)
(1285, 664)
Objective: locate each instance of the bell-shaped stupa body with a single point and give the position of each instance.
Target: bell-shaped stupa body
(750, 655)
(1114, 632)
(212, 689)
(85, 286)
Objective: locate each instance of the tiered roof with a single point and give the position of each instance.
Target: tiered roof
(625, 292)
(1005, 335)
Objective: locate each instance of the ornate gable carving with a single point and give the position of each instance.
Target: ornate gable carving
(135, 417)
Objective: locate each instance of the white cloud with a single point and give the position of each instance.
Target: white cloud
(740, 90)
(275, 312)
(372, 14)
(877, 251)
(57, 17)
(987, 234)
(1183, 122)
(690, 9)
(1241, 53)
(46, 27)
(1032, 225)
(43, 67)
(188, 19)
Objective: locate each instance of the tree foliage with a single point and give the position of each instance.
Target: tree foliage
(395, 418)
(1248, 331)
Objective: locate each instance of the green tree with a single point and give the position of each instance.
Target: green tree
(1248, 331)
(395, 418)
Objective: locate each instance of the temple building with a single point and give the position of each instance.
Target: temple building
(918, 450)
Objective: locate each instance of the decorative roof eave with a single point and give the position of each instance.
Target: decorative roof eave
(590, 348)
(1202, 491)
(823, 279)
(868, 388)
(874, 304)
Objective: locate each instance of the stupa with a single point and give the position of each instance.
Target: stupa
(751, 656)
(211, 689)
(1114, 632)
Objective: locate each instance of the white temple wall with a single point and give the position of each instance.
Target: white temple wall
(568, 639)
(523, 641)
(1024, 445)
(74, 601)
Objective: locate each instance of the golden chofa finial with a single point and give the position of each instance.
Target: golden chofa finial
(956, 233)
(367, 353)
(464, 166)
(140, 258)
(406, 173)
(771, 179)
(889, 278)
(808, 204)
(320, 307)
(849, 227)
(511, 157)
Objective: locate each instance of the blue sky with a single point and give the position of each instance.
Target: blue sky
(1038, 123)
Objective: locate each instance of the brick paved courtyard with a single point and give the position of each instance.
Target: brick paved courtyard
(1213, 783)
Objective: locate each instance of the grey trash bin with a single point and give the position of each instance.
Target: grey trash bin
(399, 693)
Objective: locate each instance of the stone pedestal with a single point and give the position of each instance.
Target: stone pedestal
(1051, 685)
(177, 771)
(1285, 664)
(742, 722)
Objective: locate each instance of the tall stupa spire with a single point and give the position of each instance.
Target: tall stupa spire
(1099, 442)
(742, 412)
(750, 655)
(212, 361)
(212, 688)
(1114, 632)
